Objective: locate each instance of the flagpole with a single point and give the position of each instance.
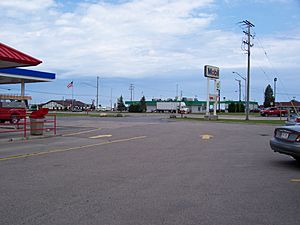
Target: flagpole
(71, 85)
(72, 96)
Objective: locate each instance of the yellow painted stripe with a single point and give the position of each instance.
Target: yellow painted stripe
(295, 180)
(69, 149)
(101, 136)
(206, 136)
(82, 132)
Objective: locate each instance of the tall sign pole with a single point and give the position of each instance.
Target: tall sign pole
(212, 73)
(207, 101)
(215, 97)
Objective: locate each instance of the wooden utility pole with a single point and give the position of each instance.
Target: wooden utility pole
(247, 42)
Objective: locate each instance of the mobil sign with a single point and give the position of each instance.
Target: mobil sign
(211, 71)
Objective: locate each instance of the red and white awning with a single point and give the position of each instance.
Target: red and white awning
(11, 58)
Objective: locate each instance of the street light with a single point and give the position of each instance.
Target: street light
(239, 88)
(246, 98)
(275, 79)
(244, 80)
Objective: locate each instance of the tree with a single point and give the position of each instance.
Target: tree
(120, 104)
(269, 97)
(135, 108)
(231, 107)
(143, 105)
(236, 107)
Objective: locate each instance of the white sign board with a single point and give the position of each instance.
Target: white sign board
(218, 85)
(211, 71)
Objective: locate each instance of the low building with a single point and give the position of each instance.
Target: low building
(291, 106)
(195, 106)
(67, 104)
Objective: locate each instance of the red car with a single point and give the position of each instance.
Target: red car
(273, 112)
(12, 111)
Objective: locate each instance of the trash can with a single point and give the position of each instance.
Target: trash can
(37, 120)
(37, 126)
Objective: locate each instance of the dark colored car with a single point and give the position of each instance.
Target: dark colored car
(286, 141)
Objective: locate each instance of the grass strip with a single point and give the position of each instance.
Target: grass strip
(87, 115)
(266, 122)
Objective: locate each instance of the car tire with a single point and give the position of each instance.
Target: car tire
(14, 119)
(297, 158)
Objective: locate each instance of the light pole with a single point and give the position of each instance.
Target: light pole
(245, 82)
(239, 89)
(275, 80)
(97, 96)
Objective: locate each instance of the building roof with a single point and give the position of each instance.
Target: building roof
(15, 97)
(10, 58)
(288, 104)
(16, 75)
(67, 103)
(149, 103)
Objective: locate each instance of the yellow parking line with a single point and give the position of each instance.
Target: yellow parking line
(101, 136)
(69, 149)
(206, 136)
(82, 132)
(295, 180)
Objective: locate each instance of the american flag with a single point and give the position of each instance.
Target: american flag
(70, 85)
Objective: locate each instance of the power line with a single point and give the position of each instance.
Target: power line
(272, 66)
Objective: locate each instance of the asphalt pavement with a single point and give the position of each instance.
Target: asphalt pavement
(148, 170)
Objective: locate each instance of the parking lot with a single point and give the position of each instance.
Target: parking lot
(148, 170)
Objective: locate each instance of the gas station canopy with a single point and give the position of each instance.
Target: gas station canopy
(11, 58)
(17, 76)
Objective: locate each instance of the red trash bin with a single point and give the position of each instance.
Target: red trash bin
(37, 119)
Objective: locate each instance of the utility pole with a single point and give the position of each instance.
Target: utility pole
(110, 98)
(131, 89)
(240, 90)
(97, 97)
(248, 25)
(176, 91)
(275, 79)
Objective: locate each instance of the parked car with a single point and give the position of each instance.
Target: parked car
(286, 141)
(184, 110)
(293, 119)
(257, 110)
(273, 112)
(12, 111)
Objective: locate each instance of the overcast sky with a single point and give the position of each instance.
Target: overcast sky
(154, 44)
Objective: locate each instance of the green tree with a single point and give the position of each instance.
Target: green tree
(231, 107)
(136, 107)
(143, 104)
(120, 104)
(269, 97)
(241, 107)
(236, 107)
